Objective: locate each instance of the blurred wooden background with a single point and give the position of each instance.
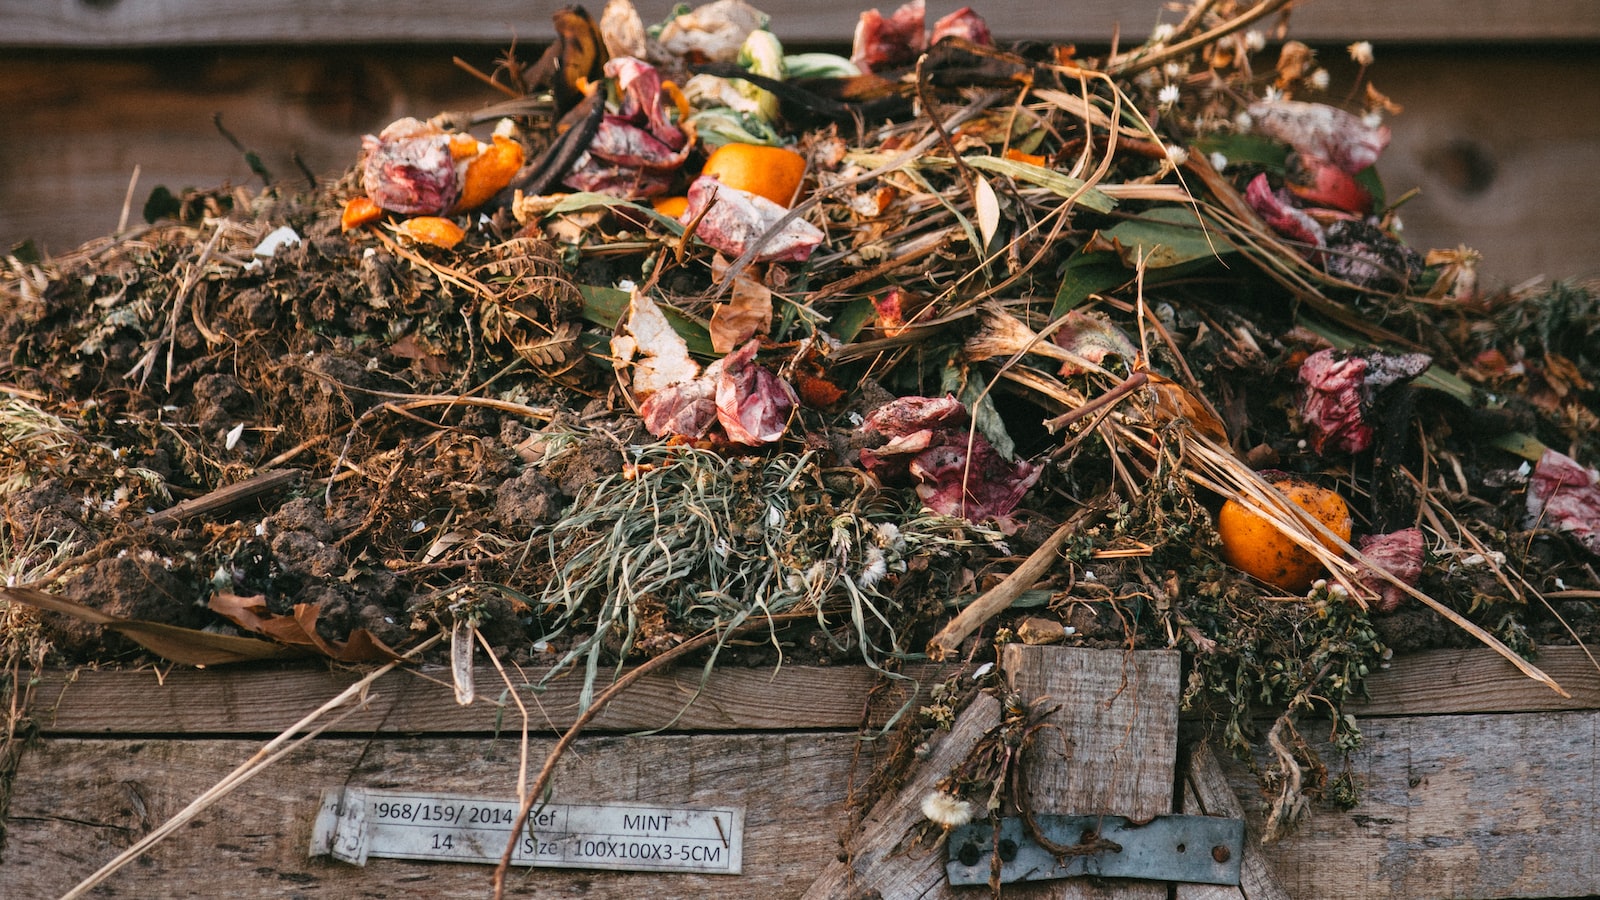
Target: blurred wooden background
(1501, 129)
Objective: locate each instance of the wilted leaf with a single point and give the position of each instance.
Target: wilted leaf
(747, 313)
(605, 306)
(299, 629)
(187, 646)
(658, 355)
(988, 209)
(1163, 237)
(732, 220)
(585, 200)
(1063, 185)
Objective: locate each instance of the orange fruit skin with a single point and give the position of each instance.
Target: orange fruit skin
(672, 207)
(435, 230)
(1255, 546)
(489, 172)
(770, 172)
(359, 211)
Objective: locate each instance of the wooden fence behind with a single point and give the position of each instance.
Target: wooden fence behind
(1501, 129)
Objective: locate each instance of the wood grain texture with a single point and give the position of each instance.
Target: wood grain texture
(265, 701)
(1451, 806)
(1207, 793)
(79, 802)
(885, 855)
(1479, 681)
(1111, 747)
(126, 23)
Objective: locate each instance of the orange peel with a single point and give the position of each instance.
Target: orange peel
(435, 230)
(771, 172)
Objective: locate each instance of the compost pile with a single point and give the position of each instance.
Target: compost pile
(528, 373)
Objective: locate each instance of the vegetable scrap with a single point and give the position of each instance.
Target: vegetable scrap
(704, 332)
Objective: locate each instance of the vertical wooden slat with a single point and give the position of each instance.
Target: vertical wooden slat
(882, 857)
(1207, 793)
(1111, 747)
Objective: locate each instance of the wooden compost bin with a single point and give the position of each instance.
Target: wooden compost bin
(1474, 781)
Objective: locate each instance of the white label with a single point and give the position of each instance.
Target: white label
(354, 824)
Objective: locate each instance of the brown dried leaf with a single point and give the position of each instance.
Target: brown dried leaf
(747, 313)
(186, 646)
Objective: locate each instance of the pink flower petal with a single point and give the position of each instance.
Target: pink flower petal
(1400, 554)
(882, 43)
(753, 404)
(964, 24)
(955, 472)
(1322, 131)
(1565, 496)
(408, 168)
(1280, 213)
(735, 219)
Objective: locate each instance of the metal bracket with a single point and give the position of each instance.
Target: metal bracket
(1197, 849)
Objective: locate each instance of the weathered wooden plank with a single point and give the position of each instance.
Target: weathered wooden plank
(77, 803)
(1442, 682)
(131, 23)
(1110, 748)
(1206, 792)
(884, 856)
(1451, 806)
(265, 701)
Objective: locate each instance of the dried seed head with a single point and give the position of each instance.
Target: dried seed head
(946, 810)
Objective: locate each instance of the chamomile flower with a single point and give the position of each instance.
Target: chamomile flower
(1176, 154)
(1168, 95)
(1319, 79)
(1361, 52)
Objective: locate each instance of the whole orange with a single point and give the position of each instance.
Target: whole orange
(1256, 546)
(770, 172)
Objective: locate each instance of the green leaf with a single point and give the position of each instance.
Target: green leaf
(1245, 149)
(852, 317)
(590, 200)
(1372, 184)
(1049, 179)
(604, 306)
(1164, 237)
(1085, 274)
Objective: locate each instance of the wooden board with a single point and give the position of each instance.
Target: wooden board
(245, 701)
(77, 803)
(240, 702)
(895, 853)
(1451, 806)
(1443, 682)
(1501, 154)
(1110, 748)
(124, 23)
(1206, 792)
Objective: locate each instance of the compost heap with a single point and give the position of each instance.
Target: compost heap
(530, 373)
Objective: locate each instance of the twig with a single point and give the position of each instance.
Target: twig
(1001, 596)
(222, 498)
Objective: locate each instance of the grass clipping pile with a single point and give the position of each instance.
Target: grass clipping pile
(1014, 311)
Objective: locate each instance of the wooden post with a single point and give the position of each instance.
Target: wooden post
(1111, 747)
(881, 860)
(1206, 792)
